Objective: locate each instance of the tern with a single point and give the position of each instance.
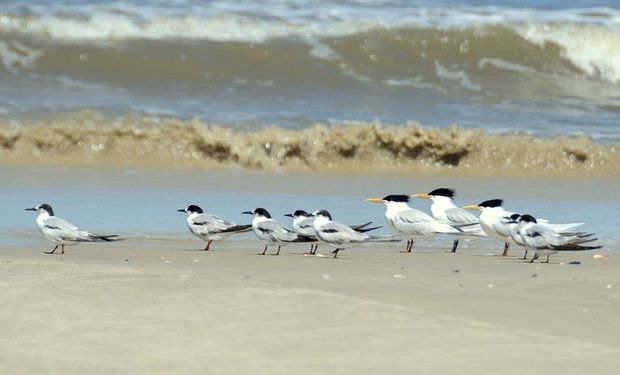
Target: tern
(562, 229)
(494, 221)
(271, 231)
(341, 236)
(302, 225)
(62, 232)
(445, 211)
(210, 227)
(409, 223)
(544, 240)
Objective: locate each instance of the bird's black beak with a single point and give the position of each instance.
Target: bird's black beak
(248, 212)
(30, 209)
(181, 210)
(288, 215)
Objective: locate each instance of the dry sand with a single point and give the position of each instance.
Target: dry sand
(161, 308)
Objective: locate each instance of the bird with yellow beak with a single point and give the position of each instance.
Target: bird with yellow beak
(445, 211)
(494, 221)
(409, 223)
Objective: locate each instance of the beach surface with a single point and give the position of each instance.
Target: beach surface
(157, 307)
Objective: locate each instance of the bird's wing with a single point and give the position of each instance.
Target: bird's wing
(304, 227)
(502, 227)
(205, 224)
(414, 217)
(64, 230)
(538, 236)
(416, 222)
(334, 232)
(276, 231)
(460, 216)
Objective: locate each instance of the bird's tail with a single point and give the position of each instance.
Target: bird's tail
(104, 237)
(365, 229)
(304, 239)
(575, 247)
(568, 227)
(239, 228)
(472, 229)
(360, 226)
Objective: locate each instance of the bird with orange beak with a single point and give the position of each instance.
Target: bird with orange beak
(494, 221)
(409, 223)
(445, 211)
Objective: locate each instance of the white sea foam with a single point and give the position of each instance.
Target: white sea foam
(257, 21)
(15, 55)
(458, 76)
(504, 65)
(595, 50)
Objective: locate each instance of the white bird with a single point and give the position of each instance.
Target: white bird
(272, 232)
(445, 211)
(544, 240)
(341, 236)
(62, 232)
(302, 225)
(409, 223)
(563, 229)
(210, 227)
(494, 221)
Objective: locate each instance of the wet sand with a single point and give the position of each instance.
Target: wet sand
(156, 307)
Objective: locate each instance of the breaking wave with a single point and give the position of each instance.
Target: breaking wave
(89, 138)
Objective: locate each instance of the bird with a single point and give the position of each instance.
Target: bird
(62, 232)
(210, 227)
(271, 231)
(544, 240)
(563, 229)
(445, 211)
(302, 225)
(341, 236)
(409, 223)
(494, 220)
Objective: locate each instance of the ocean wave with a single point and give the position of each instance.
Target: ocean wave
(517, 62)
(90, 138)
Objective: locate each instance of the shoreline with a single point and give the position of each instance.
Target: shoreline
(124, 308)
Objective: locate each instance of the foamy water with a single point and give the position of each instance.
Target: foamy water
(498, 65)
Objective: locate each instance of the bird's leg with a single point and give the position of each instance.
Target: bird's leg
(406, 247)
(62, 248)
(525, 255)
(506, 246)
(335, 252)
(410, 249)
(208, 245)
(313, 252)
(534, 258)
(51, 252)
(264, 251)
(278, 253)
(547, 259)
(455, 245)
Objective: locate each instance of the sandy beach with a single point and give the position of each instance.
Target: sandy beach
(162, 307)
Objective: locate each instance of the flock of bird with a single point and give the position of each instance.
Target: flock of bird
(535, 235)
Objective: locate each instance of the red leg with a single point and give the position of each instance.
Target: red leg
(208, 244)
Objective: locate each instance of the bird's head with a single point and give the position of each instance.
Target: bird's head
(191, 209)
(258, 212)
(42, 208)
